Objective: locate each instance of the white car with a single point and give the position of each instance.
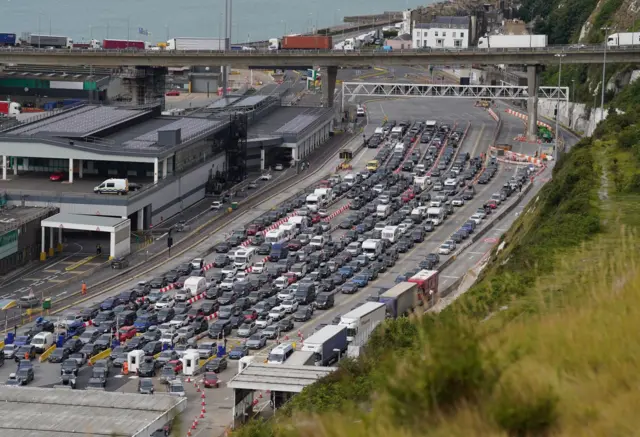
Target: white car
(457, 202)
(227, 283)
(183, 295)
(290, 306)
(403, 227)
(241, 276)
(476, 218)
(279, 167)
(266, 177)
(168, 337)
(451, 182)
(165, 301)
(286, 294)
(258, 267)
(277, 313)
(445, 249)
(229, 270)
(497, 197)
(323, 212)
(281, 282)
(177, 324)
(216, 204)
(378, 188)
(263, 323)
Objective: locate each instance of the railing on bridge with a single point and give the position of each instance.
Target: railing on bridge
(502, 92)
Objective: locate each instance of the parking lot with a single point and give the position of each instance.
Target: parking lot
(411, 181)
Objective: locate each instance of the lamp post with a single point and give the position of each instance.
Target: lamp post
(555, 148)
(604, 68)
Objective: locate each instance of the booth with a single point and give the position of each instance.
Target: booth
(134, 359)
(190, 362)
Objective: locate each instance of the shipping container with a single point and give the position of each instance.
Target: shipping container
(7, 39)
(307, 42)
(512, 41)
(185, 43)
(59, 42)
(122, 44)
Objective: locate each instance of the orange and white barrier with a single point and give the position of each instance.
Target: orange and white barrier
(517, 158)
(336, 213)
(493, 114)
(526, 117)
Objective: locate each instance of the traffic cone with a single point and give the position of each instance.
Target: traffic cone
(202, 396)
(188, 379)
(189, 433)
(260, 395)
(197, 389)
(195, 421)
(201, 414)
(204, 410)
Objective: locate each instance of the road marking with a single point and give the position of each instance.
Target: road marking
(51, 271)
(475, 146)
(490, 240)
(477, 253)
(449, 277)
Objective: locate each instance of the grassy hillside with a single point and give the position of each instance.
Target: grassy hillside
(545, 342)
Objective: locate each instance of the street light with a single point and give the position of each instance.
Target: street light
(555, 148)
(604, 67)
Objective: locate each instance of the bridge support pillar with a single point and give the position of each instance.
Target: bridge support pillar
(146, 85)
(532, 102)
(329, 76)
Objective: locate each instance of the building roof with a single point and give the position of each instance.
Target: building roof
(278, 377)
(250, 101)
(75, 221)
(289, 123)
(12, 217)
(223, 102)
(445, 23)
(65, 412)
(403, 37)
(190, 128)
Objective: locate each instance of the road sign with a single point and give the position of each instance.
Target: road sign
(490, 240)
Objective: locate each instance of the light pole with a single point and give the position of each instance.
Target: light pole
(573, 90)
(555, 148)
(604, 67)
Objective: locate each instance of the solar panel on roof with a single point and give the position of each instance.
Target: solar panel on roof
(189, 127)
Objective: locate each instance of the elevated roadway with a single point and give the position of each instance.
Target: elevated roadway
(293, 59)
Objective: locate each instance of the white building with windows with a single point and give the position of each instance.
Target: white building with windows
(443, 33)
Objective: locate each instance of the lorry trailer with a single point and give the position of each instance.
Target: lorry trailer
(327, 345)
(512, 41)
(363, 319)
(188, 43)
(58, 42)
(7, 39)
(427, 281)
(122, 44)
(302, 42)
(401, 300)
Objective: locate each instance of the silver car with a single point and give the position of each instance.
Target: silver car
(256, 341)
(247, 330)
(186, 332)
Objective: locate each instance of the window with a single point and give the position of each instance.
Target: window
(461, 34)
(436, 34)
(444, 33)
(457, 43)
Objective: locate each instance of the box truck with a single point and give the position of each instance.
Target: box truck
(7, 39)
(623, 39)
(363, 319)
(307, 42)
(512, 41)
(327, 345)
(401, 299)
(185, 43)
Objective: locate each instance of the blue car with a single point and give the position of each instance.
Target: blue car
(144, 322)
(238, 352)
(400, 278)
(360, 280)
(346, 271)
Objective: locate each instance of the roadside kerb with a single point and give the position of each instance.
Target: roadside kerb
(228, 220)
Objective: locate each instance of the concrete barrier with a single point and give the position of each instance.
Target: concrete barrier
(100, 356)
(2, 344)
(44, 355)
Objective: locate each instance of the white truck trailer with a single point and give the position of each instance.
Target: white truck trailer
(362, 319)
(512, 41)
(623, 39)
(401, 299)
(189, 43)
(327, 345)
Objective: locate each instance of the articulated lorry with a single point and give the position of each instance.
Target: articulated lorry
(401, 300)
(10, 109)
(363, 319)
(512, 41)
(623, 39)
(427, 281)
(8, 39)
(123, 44)
(327, 345)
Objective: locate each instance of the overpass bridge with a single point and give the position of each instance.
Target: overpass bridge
(331, 60)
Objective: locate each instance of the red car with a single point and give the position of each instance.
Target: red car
(126, 333)
(176, 365)
(57, 176)
(211, 380)
(291, 277)
(492, 204)
(315, 218)
(173, 93)
(253, 229)
(250, 315)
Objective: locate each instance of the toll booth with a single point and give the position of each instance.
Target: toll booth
(190, 362)
(134, 359)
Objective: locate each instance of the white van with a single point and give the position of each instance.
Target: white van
(391, 233)
(372, 248)
(244, 258)
(280, 353)
(298, 221)
(42, 341)
(197, 285)
(318, 241)
(383, 211)
(350, 179)
(290, 230)
(274, 236)
(113, 186)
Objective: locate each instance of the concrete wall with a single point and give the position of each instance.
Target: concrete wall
(572, 115)
(174, 197)
(122, 247)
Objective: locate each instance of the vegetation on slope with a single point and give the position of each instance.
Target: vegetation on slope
(543, 343)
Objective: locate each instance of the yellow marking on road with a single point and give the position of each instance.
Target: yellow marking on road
(80, 263)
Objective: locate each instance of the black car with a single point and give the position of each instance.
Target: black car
(152, 348)
(216, 365)
(59, 355)
(349, 288)
(104, 342)
(222, 247)
(69, 367)
(221, 260)
(137, 342)
(303, 314)
(90, 349)
(148, 368)
(219, 329)
(73, 345)
(285, 325)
